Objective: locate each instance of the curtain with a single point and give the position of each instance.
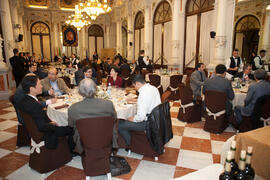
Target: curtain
(191, 36)
(239, 41)
(46, 47)
(207, 20)
(36, 45)
(157, 42)
(136, 43)
(167, 41)
(99, 45)
(91, 41)
(142, 39)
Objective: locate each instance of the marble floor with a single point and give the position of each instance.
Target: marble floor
(190, 149)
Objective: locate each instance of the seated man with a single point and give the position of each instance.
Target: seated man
(148, 99)
(89, 107)
(256, 90)
(245, 75)
(196, 80)
(53, 82)
(19, 95)
(32, 68)
(30, 105)
(220, 83)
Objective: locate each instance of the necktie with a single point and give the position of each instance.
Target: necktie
(201, 76)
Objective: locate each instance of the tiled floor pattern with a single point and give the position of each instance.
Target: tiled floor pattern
(190, 149)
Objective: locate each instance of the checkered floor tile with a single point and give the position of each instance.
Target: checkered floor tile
(190, 149)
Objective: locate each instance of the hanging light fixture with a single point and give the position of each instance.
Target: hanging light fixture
(106, 6)
(78, 20)
(93, 8)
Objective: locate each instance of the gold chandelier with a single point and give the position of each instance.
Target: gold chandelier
(78, 20)
(94, 8)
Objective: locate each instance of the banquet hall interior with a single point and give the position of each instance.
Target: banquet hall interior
(178, 47)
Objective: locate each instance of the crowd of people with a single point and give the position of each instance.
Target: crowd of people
(31, 88)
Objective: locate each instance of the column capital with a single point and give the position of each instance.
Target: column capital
(220, 41)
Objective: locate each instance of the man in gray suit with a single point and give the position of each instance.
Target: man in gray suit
(197, 79)
(256, 90)
(220, 83)
(89, 107)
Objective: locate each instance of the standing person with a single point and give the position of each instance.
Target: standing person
(148, 99)
(258, 62)
(74, 61)
(143, 61)
(95, 56)
(234, 63)
(197, 80)
(17, 64)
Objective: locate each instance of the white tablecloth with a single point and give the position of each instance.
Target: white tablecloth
(240, 96)
(123, 109)
(211, 172)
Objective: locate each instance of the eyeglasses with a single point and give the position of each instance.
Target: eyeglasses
(88, 71)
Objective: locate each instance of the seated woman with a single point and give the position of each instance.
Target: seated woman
(70, 69)
(114, 79)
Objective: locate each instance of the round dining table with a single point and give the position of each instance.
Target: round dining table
(58, 111)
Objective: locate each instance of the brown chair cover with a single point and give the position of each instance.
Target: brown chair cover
(215, 101)
(165, 96)
(96, 137)
(175, 81)
(67, 81)
(144, 72)
(140, 144)
(246, 123)
(125, 73)
(23, 138)
(155, 81)
(159, 66)
(48, 159)
(188, 71)
(192, 113)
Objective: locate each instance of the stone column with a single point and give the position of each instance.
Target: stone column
(15, 20)
(148, 28)
(131, 32)
(266, 32)
(119, 36)
(82, 44)
(7, 29)
(220, 39)
(175, 56)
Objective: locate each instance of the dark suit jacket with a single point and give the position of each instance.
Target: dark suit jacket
(240, 75)
(17, 64)
(88, 108)
(79, 75)
(221, 84)
(255, 91)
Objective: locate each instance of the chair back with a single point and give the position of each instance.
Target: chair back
(185, 94)
(266, 109)
(144, 72)
(67, 81)
(154, 80)
(175, 80)
(96, 139)
(159, 66)
(215, 101)
(125, 73)
(31, 127)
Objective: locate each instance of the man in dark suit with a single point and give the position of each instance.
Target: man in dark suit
(19, 95)
(89, 107)
(256, 90)
(79, 74)
(245, 75)
(32, 87)
(220, 83)
(143, 62)
(197, 79)
(17, 64)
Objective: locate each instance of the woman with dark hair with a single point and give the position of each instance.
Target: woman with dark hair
(114, 79)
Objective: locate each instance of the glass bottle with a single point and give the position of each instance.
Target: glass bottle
(249, 171)
(227, 174)
(240, 175)
(234, 165)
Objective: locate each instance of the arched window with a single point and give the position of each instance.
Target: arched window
(162, 32)
(199, 24)
(246, 36)
(95, 39)
(139, 33)
(40, 37)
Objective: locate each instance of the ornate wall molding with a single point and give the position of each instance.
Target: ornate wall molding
(220, 41)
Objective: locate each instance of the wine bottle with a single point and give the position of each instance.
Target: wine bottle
(249, 171)
(227, 175)
(234, 165)
(240, 175)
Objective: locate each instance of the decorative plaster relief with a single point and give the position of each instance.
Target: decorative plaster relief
(220, 41)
